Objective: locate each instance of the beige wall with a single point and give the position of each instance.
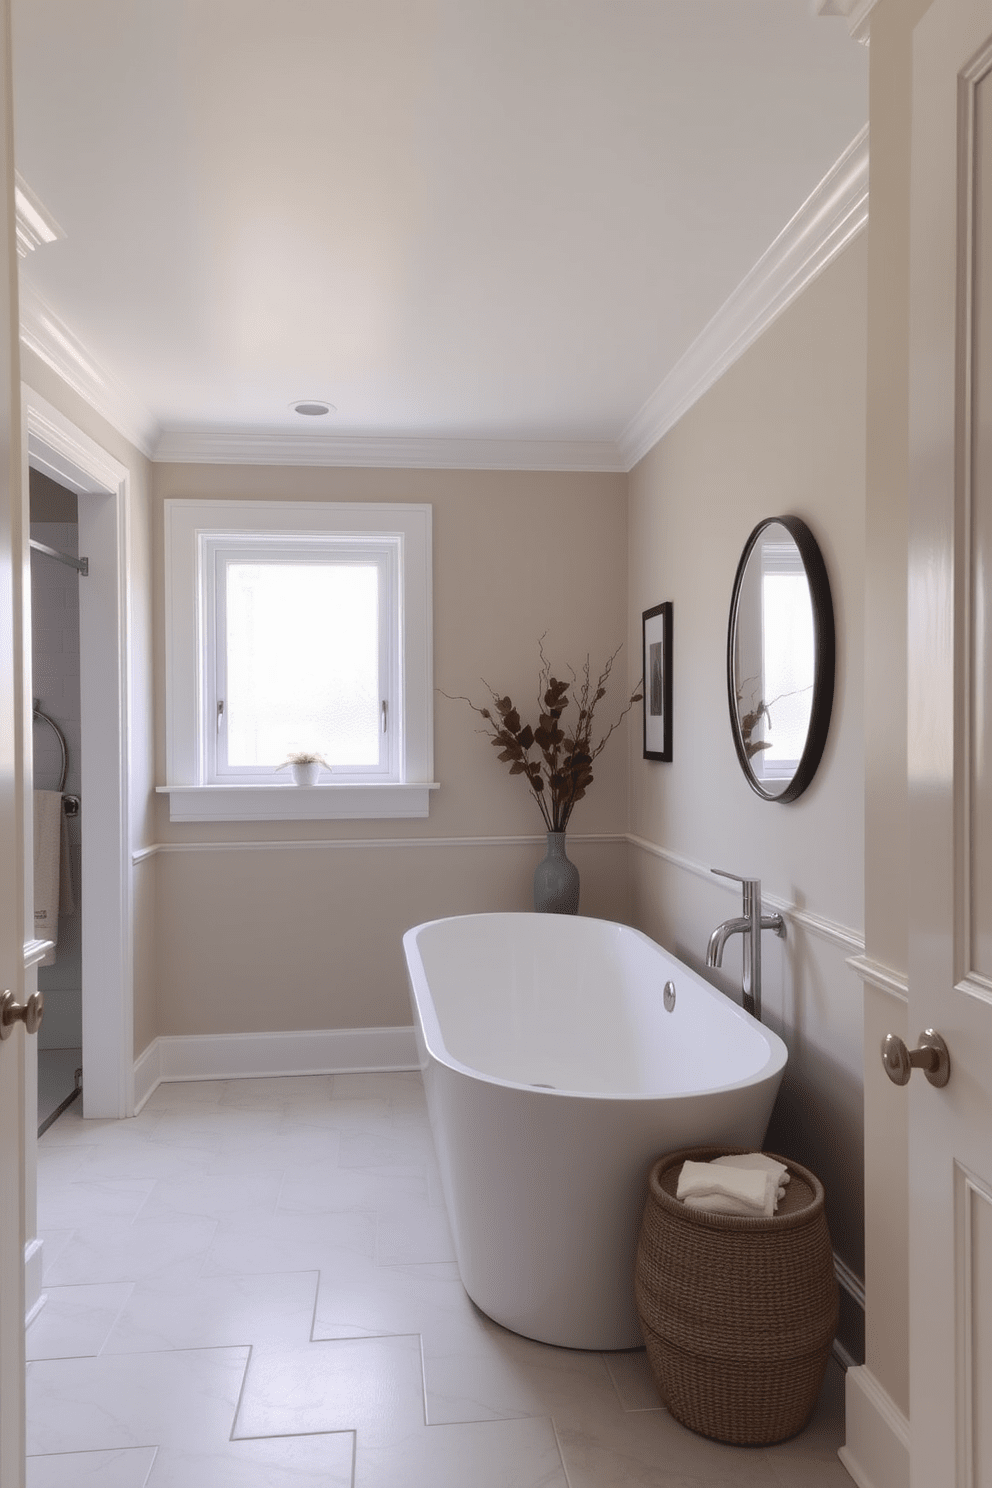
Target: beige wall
(782, 432)
(39, 377)
(257, 936)
(886, 824)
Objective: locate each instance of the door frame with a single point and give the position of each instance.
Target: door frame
(56, 447)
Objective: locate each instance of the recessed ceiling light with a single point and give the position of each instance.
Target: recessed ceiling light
(312, 407)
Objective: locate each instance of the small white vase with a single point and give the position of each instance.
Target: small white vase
(306, 774)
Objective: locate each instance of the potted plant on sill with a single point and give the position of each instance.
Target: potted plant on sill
(560, 772)
(305, 765)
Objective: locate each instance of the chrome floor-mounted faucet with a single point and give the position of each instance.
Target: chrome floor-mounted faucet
(750, 925)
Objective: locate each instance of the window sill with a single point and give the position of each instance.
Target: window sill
(203, 803)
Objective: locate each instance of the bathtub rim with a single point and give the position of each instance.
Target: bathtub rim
(435, 1047)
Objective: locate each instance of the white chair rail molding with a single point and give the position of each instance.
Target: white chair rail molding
(298, 628)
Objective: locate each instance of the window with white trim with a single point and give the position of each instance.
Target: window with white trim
(297, 628)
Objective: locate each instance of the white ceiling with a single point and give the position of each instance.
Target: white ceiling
(453, 219)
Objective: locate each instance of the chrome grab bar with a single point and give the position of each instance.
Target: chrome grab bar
(70, 804)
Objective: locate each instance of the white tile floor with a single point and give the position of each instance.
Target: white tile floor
(251, 1285)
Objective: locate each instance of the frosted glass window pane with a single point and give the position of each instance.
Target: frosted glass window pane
(302, 662)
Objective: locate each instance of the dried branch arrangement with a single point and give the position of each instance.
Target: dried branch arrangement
(560, 773)
(749, 718)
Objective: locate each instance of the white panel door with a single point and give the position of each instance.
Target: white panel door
(12, 1049)
(950, 744)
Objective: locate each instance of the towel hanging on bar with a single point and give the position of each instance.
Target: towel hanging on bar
(54, 893)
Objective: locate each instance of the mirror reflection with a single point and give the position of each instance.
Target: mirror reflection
(777, 654)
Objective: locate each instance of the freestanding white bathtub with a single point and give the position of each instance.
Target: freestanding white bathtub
(554, 1078)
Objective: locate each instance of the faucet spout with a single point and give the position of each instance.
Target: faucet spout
(720, 936)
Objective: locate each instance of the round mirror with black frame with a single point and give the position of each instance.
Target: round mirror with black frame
(780, 658)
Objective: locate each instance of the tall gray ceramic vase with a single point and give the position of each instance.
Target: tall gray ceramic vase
(556, 880)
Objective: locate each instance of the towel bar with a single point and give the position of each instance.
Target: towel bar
(70, 804)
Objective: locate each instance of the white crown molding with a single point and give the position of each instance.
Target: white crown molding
(408, 452)
(34, 224)
(45, 334)
(826, 222)
(57, 448)
(857, 14)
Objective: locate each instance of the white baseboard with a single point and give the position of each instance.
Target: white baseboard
(231, 1056)
(34, 1297)
(876, 1452)
(147, 1074)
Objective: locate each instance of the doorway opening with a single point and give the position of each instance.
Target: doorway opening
(56, 755)
(76, 466)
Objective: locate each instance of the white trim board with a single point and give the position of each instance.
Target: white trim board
(35, 224)
(850, 1281)
(883, 978)
(876, 1452)
(34, 1296)
(54, 445)
(857, 14)
(322, 844)
(852, 1285)
(53, 342)
(831, 216)
(238, 1056)
(840, 935)
(390, 800)
(35, 952)
(383, 451)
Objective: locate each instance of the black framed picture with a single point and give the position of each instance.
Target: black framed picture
(657, 632)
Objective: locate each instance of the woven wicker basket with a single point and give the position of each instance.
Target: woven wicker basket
(738, 1314)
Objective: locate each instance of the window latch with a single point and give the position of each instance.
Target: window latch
(220, 715)
(385, 711)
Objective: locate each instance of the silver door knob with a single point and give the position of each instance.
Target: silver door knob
(29, 1013)
(930, 1055)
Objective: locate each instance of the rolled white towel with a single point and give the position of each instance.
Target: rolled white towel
(725, 1204)
(755, 1160)
(760, 1162)
(743, 1186)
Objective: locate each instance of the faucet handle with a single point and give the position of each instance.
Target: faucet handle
(738, 878)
